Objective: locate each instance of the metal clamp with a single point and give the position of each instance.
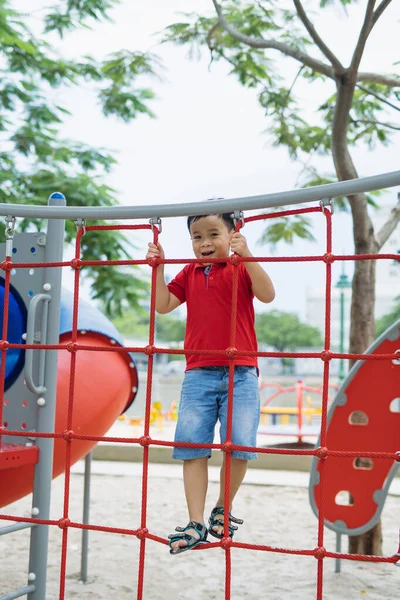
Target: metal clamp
(156, 221)
(80, 224)
(30, 339)
(9, 233)
(326, 202)
(237, 217)
(10, 227)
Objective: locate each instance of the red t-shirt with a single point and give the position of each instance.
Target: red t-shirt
(209, 309)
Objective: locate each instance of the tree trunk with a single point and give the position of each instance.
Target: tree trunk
(362, 327)
(369, 543)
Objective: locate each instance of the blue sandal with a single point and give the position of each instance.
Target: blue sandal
(191, 540)
(218, 511)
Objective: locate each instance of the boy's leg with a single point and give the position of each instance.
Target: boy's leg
(238, 471)
(195, 479)
(245, 420)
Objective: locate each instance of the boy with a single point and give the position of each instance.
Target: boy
(207, 290)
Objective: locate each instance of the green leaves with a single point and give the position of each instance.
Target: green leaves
(75, 13)
(394, 315)
(30, 122)
(286, 229)
(284, 331)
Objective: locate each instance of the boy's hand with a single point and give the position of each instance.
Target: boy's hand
(155, 251)
(239, 244)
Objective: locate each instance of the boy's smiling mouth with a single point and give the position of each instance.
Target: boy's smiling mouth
(207, 253)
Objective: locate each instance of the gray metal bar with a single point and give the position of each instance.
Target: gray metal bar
(28, 589)
(16, 527)
(85, 518)
(310, 194)
(46, 411)
(338, 549)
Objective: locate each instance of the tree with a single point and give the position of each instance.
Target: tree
(387, 320)
(284, 331)
(136, 323)
(170, 329)
(247, 36)
(35, 161)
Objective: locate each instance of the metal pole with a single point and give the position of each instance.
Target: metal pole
(341, 349)
(338, 549)
(85, 518)
(46, 411)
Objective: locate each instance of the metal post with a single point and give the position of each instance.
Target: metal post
(342, 284)
(338, 549)
(46, 412)
(85, 518)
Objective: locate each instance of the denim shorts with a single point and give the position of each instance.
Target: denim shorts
(204, 402)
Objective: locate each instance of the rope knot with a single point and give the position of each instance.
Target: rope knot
(68, 435)
(154, 261)
(149, 350)
(142, 533)
(235, 259)
(322, 453)
(320, 552)
(72, 347)
(6, 265)
(76, 263)
(326, 355)
(63, 523)
(328, 258)
(145, 440)
(227, 447)
(231, 352)
(4, 344)
(226, 543)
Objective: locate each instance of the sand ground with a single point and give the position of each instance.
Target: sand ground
(275, 515)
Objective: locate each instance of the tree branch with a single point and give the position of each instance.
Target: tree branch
(377, 96)
(285, 49)
(387, 229)
(373, 122)
(316, 38)
(378, 13)
(362, 40)
(389, 80)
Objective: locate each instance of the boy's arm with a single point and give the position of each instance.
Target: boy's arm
(165, 301)
(261, 283)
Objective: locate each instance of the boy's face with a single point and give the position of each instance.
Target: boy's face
(210, 237)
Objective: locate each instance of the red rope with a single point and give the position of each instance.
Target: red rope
(326, 355)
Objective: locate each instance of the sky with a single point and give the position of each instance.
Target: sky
(208, 138)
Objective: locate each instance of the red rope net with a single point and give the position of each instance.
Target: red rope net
(322, 452)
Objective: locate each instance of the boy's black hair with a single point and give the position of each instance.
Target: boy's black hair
(226, 217)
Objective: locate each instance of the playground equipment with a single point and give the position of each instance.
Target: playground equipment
(364, 418)
(307, 416)
(40, 521)
(99, 399)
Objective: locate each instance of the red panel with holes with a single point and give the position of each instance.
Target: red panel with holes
(369, 421)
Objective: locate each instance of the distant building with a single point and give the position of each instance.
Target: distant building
(387, 288)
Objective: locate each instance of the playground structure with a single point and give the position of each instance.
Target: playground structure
(274, 420)
(39, 442)
(37, 314)
(364, 417)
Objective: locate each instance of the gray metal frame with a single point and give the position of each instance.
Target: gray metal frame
(43, 327)
(305, 195)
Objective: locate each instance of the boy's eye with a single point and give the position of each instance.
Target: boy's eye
(196, 237)
(214, 234)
